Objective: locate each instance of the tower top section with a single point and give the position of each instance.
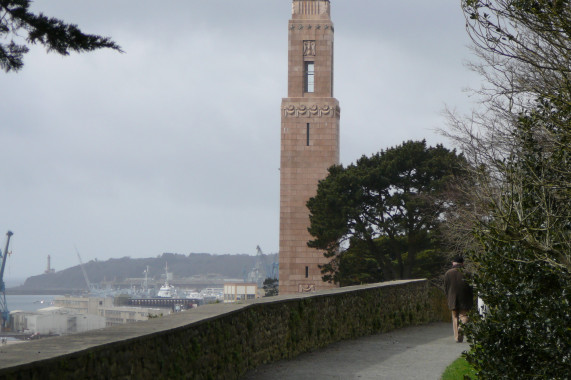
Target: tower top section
(311, 9)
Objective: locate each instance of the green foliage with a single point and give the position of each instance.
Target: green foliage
(523, 262)
(429, 262)
(54, 34)
(526, 333)
(460, 369)
(271, 287)
(378, 219)
(523, 271)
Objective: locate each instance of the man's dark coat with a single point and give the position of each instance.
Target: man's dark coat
(459, 293)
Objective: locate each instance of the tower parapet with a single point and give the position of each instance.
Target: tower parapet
(302, 9)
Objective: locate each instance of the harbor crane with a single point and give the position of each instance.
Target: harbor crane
(260, 270)
(3, 305)
(89, 286)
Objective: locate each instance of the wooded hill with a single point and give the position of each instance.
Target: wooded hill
(182, 266)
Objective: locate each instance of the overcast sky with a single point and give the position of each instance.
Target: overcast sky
(174, 145)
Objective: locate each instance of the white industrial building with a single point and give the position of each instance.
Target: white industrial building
(55, 321)
(77, 314)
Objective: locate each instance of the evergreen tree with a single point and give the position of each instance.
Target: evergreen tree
(378, 219)
(271, 287)
(17, 22)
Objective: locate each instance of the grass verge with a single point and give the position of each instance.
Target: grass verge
(458, 369)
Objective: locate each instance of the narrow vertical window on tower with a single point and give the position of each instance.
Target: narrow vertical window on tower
(309, 76)
(307, 133)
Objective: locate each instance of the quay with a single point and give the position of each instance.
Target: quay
(185, 303)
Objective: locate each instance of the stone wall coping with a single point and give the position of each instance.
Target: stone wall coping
(45, 349)
(345, 289)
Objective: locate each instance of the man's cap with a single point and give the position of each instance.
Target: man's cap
(458, 259)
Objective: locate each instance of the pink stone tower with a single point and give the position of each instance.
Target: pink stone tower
(309, 140)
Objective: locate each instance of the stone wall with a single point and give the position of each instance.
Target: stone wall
(224, 341)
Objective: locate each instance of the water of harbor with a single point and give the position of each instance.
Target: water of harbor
(29, 302)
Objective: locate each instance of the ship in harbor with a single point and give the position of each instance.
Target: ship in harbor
(167, 290)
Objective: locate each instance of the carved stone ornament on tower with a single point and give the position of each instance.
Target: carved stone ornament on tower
(309, 48)
(306, 288)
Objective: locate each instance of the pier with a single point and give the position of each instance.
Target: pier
(185, 303)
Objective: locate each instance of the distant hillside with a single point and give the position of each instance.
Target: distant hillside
(228, 266)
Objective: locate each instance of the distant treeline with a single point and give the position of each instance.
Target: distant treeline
(227, 266)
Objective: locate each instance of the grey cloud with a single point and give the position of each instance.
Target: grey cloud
(174, 145)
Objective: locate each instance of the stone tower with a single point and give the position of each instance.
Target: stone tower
(309, 140)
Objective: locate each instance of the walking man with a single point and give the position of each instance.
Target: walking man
(460, 296)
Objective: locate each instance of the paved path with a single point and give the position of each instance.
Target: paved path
(421, 353)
